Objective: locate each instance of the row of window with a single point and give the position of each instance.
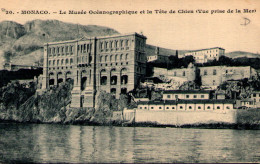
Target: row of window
(114, 64)
(60, 54)
(60, 68)
(62, 49)
(84, 47)
(114, 44)
(188, 96)
(113, 58)
(60, 62)
(190, 107)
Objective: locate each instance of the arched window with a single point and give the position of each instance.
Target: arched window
(121, 57)
(71, 61)
(101, 45)
(111, 44)
(116, 43)
(62, 49)
(116, 57)
(71, 48)
(53, 50)
(126, 43)
(106, 44)
(183, 74)
(62, 61)
(67, 61)
(110, 58)
(121, 43)
(100, 59)
(58, 62)
(53, 62)
(49, 62)
(106, 59)
(208, 107)
(126, 56)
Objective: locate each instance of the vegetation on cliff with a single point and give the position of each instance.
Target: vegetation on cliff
(19, 102)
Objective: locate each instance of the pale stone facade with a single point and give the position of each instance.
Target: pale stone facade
(114, 64)
(213, 76)
(206, 55)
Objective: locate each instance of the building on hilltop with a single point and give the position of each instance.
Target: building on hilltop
(114, 64)
(206, 55)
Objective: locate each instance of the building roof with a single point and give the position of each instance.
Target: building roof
(191, 101)
(91, 38)
(205, 49)
(185, 91)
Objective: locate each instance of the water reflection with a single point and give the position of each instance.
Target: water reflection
(67, 143)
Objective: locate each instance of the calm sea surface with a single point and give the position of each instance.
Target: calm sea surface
(68, 143)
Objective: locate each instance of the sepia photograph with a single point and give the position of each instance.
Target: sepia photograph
(134, 81)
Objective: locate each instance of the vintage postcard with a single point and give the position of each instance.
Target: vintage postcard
(134, 81)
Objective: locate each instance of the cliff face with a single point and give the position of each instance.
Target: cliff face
(20, 103)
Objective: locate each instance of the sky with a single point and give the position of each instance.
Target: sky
(182, 31)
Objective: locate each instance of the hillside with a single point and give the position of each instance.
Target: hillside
(150, 50)
(25, 41)
(240, 54)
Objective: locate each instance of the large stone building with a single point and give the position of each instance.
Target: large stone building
(114, 64)
(206, 55)
(213, 76)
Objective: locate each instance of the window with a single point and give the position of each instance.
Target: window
(208, 107)
(176, 96)
(190, 107)
(194, 96)
(173, 107)
(168, 96)
(202, 96)
(126, 56)
(145, 108)
(214, 72)
(140, 107)
(160, 107)
(187, 96)
(183, 74)
(227, 107)
(151, 107)
(218, 107)
(126, 43)
(199, 107)
(167, 107)
(174, 73)
(205, 72)
(254, 95)
(181, 107)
